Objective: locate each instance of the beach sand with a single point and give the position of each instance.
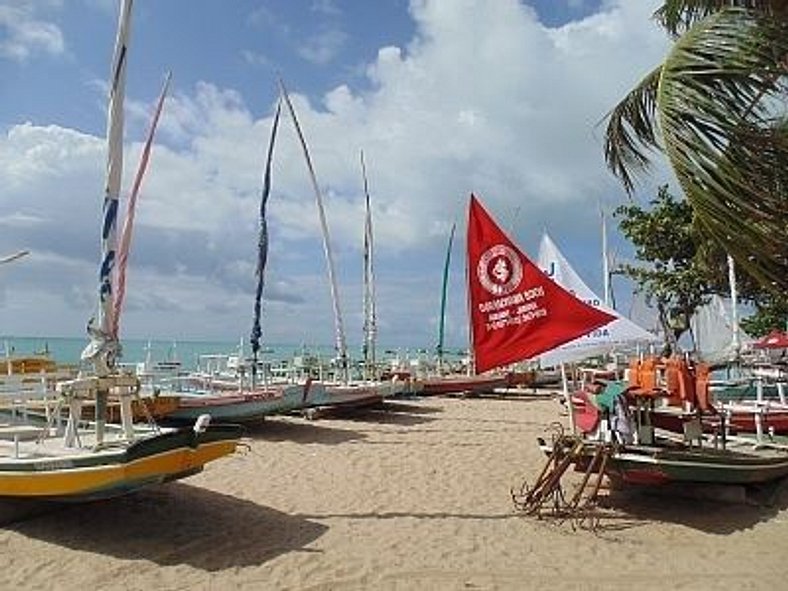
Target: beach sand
(415, 495)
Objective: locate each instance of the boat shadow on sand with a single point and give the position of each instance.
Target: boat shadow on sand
(722, 510)
(175, 524)
(401, 414)
(300, 430)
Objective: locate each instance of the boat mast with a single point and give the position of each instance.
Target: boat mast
(736, 337)
(444, 290)
(341, 343)
(605, 261)
(104, 349)
(13, 257)
(370, 320)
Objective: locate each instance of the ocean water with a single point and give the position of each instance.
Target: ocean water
(68, 350)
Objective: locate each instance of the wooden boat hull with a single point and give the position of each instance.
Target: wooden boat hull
(645, 465)
(744, 422)
(463, 385)
(739, 420)
(354, 396)
(246, 407)
(88, 476)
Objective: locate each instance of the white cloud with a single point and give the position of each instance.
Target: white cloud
(326, 7)
(22, 34)
(484, 99)
(323, 47)
(255, 58)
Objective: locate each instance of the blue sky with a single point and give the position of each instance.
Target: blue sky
(445, 97)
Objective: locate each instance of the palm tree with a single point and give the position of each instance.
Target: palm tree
(718, 108)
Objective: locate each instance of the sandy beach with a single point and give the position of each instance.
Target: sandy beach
(415, 495)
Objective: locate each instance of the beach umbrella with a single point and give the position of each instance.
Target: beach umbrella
(776, 339)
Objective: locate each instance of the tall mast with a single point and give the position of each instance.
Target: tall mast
(444, 290)
(104, 348)
(736, 337)
(370, 320)
(341, 343)
(605, 261)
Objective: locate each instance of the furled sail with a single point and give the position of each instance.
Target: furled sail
(104, 349)
(370, 313)
(124, 245)
(262, 242)
(444, 292)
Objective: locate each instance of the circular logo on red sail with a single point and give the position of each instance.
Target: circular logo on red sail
(499, 270)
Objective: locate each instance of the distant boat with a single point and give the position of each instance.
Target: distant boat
(245, 406)
(340, 390)
(471, 385)
(233, 391)
(82, 460)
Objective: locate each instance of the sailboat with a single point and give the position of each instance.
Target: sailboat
(443, 382)
(370, 390)
(341, 392)
(621, 442)
(517, 311)
(249, 397)
(80, 460)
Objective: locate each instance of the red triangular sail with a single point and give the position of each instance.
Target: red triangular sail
(516, 311)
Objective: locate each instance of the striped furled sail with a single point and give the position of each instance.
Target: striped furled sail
(104, 348)
(131, 207)
(341, 343)
(262, 242)
(370, 319)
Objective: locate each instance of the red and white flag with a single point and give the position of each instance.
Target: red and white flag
(517, 312)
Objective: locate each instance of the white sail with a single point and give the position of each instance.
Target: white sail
(717, 336)
(622, 332)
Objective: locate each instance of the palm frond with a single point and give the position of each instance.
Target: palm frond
(678, 16)
(718, 108)
(631, 132)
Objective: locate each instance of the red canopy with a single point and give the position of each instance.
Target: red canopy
(776, 339)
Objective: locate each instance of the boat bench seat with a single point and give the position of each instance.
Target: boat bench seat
(20, 431)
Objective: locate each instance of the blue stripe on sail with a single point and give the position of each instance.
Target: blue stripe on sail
(119, 68)
(262, 242)
(105, 275)
(110, 215)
